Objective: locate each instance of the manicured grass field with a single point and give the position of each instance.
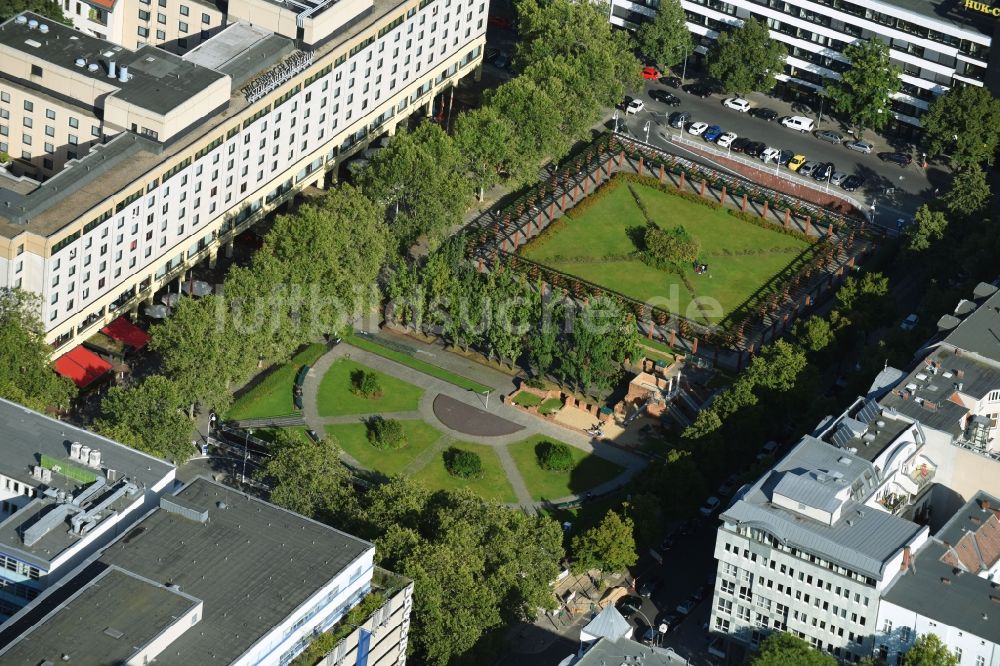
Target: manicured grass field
(370, 345)
(494, 484)
(335, 397)
(273, 396)
(589, 471)
(353, 438)
(602, 232)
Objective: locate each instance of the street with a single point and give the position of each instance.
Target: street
(898, 191)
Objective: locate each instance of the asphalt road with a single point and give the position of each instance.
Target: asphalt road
(899, 191)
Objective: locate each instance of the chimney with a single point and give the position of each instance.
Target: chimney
(906, 559)
(985, 504)
(945, 580)
(960, 374)
(111, 70)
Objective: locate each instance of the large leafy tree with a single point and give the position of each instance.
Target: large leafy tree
(969, 192)
(487, 138)
(966, 120)
(149, 417)
(784, 649)
(535, 117)
(929, 650)
(928, 227)
(864, 92)
(47, 8)
(25, 374)
(609, 546)
(746, 59)
(666, 39)
(308, 477)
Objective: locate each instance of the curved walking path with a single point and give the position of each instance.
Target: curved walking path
(434, 387)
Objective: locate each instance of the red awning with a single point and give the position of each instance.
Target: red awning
(123, 330)
(82, 366)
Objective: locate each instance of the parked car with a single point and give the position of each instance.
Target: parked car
(635, 106)
(763, 113)
(698, 89)
(785, 157)
(696, 129)
(852, 183)
(650, 73)
(910, 322)
(755, 148)
(800, 123)
(667, 621)
(902, 159)
(625, 102)
(502, 60)
(770, 155)
(796, 162)
(629, 605)
(829, 136)
(712, 133)
(661, 95)
(649, 587)
(667, 543)
(728, 486)
(685, 607)
(823, 171)
(678, 119)
(710, 505)
(769, 449)
(737, 104)
(860, 146)
(837, 177)
(649, 636)
(672, 81)
(726, 140)
(807, 168)
(700, 593)
(739, 144)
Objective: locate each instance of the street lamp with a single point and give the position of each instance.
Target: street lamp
(614, 118)
(647, 131)
(685, 68)
(246, 444)
(487, 394)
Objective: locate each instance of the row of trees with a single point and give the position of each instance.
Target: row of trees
(506, 317)
(784, 649)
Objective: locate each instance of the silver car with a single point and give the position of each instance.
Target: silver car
(807, 168)
(838, 177)
(860, 146)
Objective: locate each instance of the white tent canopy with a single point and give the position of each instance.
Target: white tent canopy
(609, 623)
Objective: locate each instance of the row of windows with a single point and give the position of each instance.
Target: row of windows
(764, 537)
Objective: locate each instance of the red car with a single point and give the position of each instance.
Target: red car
(650, 73)
(499, 21)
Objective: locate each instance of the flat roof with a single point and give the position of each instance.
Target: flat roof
(863, 538)
(936, 589)
(252, 563)
(242, 51)
(111, 178)
(979, 332)
(158, 80)
(107, 621)
(607, 652)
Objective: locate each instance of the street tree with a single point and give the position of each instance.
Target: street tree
(777, 366)
(148, 417)
(746, 59)
(47, 8)
(486, 138)
(542, 343)
(666, 39)
(565, 79)
(965, 123)
(929, 650)
(308, 477)
(784, 649)
(865, 301)
(814, 334)
(608, 546)
(969, 192)
(928, 226)
(535, 117)
(26, 375)
(864, 92)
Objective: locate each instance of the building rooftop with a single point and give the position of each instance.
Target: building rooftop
(113, 617)
(934, 587)
(250, 562)
(813, 474)
(951, 12)
(862, 429)
(607, 652)
(241, 50)
(978, 334)
(158, 81)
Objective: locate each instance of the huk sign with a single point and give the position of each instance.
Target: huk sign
(982, 7)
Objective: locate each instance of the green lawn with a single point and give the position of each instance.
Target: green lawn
(335, 397)
(601, 232)
(370, 345)
(353, 438)
(494, 484)
(273, 396)
(526, 399)
(589, 471)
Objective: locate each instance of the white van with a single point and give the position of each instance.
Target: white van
(800, 123)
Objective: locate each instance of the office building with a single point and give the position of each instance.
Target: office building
(64, 494)
(132, 165)
(214, 576)
(937, 44)
(172, 25)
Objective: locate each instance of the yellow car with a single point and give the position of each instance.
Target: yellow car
(796, 162)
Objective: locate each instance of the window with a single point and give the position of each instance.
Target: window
(887, 627)
(728, 587)
(182, 26)
(980, 660)
(50, 114)
(143, 32)
(74, 123)
(28, 106)
(184, 10)
(143, 15)
(50, 130)
(5, 97)
(160, 34)
(28, 122)
(206, 19)
(161, 18)
(958, 653)
(72, 139)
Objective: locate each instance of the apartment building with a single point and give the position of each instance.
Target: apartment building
(170, 24)
(65, 493)
(184, 153)
(213, 576)
(938, 44)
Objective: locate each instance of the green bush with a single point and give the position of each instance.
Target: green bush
(386, 433)
(674, 245)
(463, 464)
(554, 456)
(366, 384)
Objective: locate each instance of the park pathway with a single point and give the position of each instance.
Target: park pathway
(630, 463)
(361, 418)
(425, 458)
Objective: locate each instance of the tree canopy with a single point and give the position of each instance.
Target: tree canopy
(928, 227)
(746, 59)
(308, 477)
(666, 39)
(929, 650)
(608, 546)
(864, 92)
(965, 122)
(148, 417)
(969, 192)
(784, 649)
(47, 8)
(25, 374)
